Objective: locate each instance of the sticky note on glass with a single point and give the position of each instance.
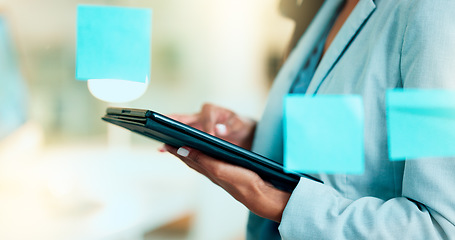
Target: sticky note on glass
(324, 134)
(420, 123)
(113, 43)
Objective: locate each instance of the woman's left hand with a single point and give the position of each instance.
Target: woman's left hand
(243, 184)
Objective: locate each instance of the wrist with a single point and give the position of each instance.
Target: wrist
(273, 201)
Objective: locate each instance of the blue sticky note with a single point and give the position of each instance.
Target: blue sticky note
(324, 133)
(113, 43)
(420, 123)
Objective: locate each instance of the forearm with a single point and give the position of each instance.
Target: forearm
(317, 211)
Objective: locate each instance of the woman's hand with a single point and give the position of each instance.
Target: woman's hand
(243, 184)
(221, 123)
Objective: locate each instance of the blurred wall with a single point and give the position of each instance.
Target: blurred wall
(225, 52)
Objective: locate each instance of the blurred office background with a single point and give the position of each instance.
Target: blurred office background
(59, 176)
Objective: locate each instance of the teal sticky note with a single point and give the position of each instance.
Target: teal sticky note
(113, 43)
(324, 134)
(420, 123)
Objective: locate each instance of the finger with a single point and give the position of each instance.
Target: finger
(207, 166)
(208, 118)
(162, 149)
(216, 120)
(210, 167)
(221, 129)
(183, 153)
(174, 151)
(170, 149)
(235, 123)
(187, 119)
(214, 169)
(226, 124)
(228, 176)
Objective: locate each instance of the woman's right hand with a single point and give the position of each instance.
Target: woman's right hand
(221, 123)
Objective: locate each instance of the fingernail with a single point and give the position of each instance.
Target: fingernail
(183, 152)
(221, 129)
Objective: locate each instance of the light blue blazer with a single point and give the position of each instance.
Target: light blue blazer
(383, 44)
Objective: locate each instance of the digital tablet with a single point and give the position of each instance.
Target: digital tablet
(177, 134)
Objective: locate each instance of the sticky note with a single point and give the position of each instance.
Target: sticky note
(113, 43)
(324, 134)
(420, 123)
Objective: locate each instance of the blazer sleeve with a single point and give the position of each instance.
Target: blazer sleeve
(426, 209)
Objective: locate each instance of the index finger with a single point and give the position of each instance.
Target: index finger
(184, 118)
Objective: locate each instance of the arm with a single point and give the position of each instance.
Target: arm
(244, 185)
(426, 208)
(316, 211)
(424, 212)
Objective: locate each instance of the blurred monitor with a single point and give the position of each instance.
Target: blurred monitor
(13, 109)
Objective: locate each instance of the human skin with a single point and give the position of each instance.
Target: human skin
(247, 187)
(243, 184)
